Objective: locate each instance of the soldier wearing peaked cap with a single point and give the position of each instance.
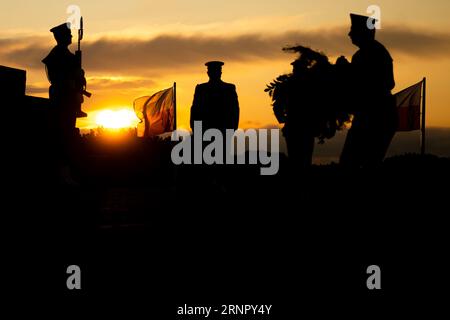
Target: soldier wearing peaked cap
(215, 102)
(64, 71)
(371, 81)
(216, 106)
(66, 78)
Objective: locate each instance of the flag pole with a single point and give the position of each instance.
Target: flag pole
(175, 106)
(424, 87)
(175, 168)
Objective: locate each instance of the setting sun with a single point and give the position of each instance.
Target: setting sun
(123, 118)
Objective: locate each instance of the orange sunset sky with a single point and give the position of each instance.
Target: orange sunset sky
(137, 47)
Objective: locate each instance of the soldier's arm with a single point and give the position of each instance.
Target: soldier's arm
(50, 75)
(279, 112)
(235, 108)
(195, 107)
(390, 75)
(280, 102)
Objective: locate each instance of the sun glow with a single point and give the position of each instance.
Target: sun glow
(123, 118)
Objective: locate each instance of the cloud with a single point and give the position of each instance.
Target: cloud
(416, 43)
(34, 89)
(101, 84)
(177, 52)
(106, 83)
(172, 52)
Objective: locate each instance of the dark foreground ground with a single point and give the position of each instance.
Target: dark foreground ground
(152, 237)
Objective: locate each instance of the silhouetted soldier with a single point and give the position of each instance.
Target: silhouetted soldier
(300, 103)
(293, 107)
(66, 78)
(216, 105)
(375, 115)
(215, 102)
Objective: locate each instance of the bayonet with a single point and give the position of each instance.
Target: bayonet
(78, 55)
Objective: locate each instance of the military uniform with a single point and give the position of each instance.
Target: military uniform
(64, 74)
(300, 121)
(215, 104)
(375, 115)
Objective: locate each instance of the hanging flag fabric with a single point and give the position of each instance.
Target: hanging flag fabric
(408, 103)
(156, 112)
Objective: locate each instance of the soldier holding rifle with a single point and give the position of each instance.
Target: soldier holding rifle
(68, 85)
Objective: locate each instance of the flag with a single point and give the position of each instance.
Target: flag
(156, 112)
(408, 102)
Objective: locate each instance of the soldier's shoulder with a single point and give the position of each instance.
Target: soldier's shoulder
(201, 87)
(55, 50)
(58, 54)
(51, 55)
(379, 46)
(229, 85)
(381, 50)
(356, 55)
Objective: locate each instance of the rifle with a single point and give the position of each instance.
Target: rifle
(78, 55)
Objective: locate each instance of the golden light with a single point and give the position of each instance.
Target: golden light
(123, 118)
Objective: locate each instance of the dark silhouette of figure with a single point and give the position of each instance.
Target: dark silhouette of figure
(216, 105)
(302, 101)
(67, 80)
(371, 81)
(295, 108)
(215, 102)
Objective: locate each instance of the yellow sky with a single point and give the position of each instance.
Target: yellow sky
(247, 35)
